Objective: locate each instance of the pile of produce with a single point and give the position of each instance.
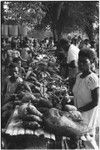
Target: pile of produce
(64, 123)
(48, 106)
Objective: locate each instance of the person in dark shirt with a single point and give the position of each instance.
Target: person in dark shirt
(61, 53)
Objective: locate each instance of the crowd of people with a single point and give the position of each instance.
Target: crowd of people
(21, 52)
(78, 64)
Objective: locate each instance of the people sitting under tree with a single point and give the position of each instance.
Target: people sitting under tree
(12, 82)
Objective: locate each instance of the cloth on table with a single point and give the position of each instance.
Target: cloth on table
(14, 127)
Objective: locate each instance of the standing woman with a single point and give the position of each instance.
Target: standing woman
(86, 92)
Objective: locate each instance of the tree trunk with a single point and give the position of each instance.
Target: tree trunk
(55, 35)
(57, 22)
(90, 32)
(59, 10)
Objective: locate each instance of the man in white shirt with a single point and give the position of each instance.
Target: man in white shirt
(72, 60)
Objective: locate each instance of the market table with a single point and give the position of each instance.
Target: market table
(14, 131)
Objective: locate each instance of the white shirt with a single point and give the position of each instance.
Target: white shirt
(72, 53)
(82, 89)
(82, 96)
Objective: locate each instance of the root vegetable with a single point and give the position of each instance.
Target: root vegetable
(62, 124)
(33, 110)
(70, 108)
(22, 111)
(32, 118)
(31, 125)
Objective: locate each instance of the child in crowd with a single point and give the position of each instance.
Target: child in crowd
(12, 82)
(17, 62)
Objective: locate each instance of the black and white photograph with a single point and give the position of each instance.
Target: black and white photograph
(50, 75)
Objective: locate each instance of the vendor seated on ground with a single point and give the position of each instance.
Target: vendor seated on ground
(12, 82)
(17, 62)
(26, 55)
(12, 53)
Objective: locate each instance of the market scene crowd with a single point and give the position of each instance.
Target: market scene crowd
(49, 93)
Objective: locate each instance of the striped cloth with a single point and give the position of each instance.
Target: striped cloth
(14, 127)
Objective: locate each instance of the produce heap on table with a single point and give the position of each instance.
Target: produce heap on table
(48, 110)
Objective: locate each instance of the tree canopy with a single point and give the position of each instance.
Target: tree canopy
(28, 12)
(57, 14)
(67, 13)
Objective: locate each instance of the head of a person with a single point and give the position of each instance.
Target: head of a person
(6, 40)
(63, 43)
(74, 40)
(13, 44)
(86, 60)
(69, 37)
(79, 38)
(93, 44)
(14, 70)
(86, 41)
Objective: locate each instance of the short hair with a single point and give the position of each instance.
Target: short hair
(86, 41)
(88, 53)
(63, 42)
(74, 40)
